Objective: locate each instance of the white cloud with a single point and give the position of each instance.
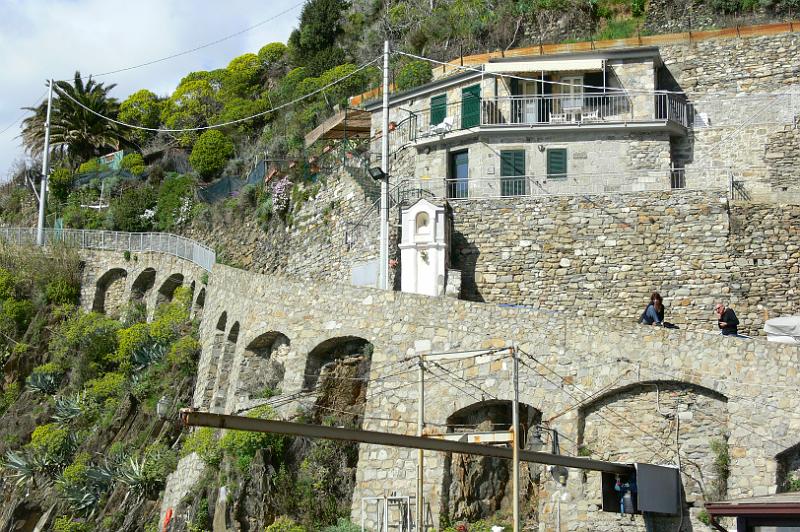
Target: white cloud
(44, 38)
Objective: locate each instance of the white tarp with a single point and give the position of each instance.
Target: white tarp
(784, 329)
(556, 65)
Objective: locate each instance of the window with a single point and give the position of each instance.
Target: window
(512, 172)
(438, 109)
(470, 106)
(458, 184)
(572, 89)
(556, 163)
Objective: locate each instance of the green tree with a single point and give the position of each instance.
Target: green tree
(192, 105)
(142, 108)
(321, 22)
(413, 74)
(242, 77)
(60, 184)
(210, 153)
(75, 133)
(354, 84)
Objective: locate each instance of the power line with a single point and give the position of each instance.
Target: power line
(21, 116)
(618, 90)
(197, 48)
(224, 124)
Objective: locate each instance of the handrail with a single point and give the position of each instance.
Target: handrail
(175, 245)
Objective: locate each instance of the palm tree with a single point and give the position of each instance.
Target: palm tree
(75, 133)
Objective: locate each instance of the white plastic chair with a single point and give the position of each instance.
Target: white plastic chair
(445, 127)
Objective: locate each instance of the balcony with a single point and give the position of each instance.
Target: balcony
(547, 113)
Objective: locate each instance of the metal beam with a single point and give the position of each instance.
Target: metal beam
(221, 421)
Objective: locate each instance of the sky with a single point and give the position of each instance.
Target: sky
(40, 39)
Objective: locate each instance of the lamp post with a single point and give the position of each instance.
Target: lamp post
(162, 408)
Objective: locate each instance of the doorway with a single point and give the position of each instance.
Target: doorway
(458, 183)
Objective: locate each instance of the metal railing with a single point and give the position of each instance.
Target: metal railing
(543, 110)
(175, 245)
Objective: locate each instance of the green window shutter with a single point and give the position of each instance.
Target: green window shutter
(512, 172)
(557, 162)
(470, 106)
(512, 163)
(438, 109)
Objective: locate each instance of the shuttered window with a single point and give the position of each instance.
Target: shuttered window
(557, 162)
(470, 106)
(512, 172)
(438, 109)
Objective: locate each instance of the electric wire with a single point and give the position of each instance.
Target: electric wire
(230, 122)
(612, 90)
(485, 393)
(196, 48)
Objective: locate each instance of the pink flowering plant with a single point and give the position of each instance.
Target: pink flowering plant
(280, 194)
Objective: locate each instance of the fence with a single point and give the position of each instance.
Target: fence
(170, 244)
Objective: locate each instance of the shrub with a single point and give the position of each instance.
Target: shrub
(414, 74)
(342, 525)
(7, 284)
(134, 210)
(108, 386)
(60, 184)
(175, 202)
(91, 166)
(210, 153)
(272, 54)
(133, 163)
(68, 524)
(183, 354)
(51, 442)
(204, 442)
(131, 339)
(74, 475)
(242, 445)
(62, 291)
(142, 108)
(20, 313)
(284, 524)
(9, 396)
(85, 342)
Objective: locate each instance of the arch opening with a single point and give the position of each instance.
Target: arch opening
(788, 471)
(199, 303)
(222, 322)
(262, 369)
(320, 360)
(478, 487)
(168, 287)
(651, 420)
(144, 282)
(109, 294)
(225, 356)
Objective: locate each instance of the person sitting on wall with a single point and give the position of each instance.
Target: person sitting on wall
(728, 322)
(654, 313)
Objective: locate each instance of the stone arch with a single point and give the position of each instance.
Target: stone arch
(142, 285)
(225, 355)
(168, 287)
(109, 294)
(788, 471)
(331, 350)
(262, 367)
(222, 322)
(642, 421)
(199, 303)
(478, 487)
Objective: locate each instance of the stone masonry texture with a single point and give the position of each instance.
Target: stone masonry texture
(612, 389)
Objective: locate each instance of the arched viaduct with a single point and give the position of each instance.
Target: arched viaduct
(611, 389)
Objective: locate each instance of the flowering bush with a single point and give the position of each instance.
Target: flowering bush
(280, 195)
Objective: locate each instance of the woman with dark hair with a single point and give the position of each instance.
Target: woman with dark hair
(654, 313)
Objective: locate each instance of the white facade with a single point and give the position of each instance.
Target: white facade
(423, 249)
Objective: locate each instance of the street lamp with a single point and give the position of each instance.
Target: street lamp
(377, 173)
(162, 407)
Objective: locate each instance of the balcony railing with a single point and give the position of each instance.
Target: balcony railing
(175, 245)
(547, 110)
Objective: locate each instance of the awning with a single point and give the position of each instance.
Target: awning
(350, 124)
(562, 65)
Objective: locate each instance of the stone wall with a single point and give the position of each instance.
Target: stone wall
(611, 389)
(603, 255)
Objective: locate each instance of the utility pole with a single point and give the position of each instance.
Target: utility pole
(384, 251)
(515, 441)
(45, 171)
(420, 452)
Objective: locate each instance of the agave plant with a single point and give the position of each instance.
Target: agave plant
(68, 408)
(147, 355)
(133, 474)
(82, 499)
(46, 383)
(20, 468)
